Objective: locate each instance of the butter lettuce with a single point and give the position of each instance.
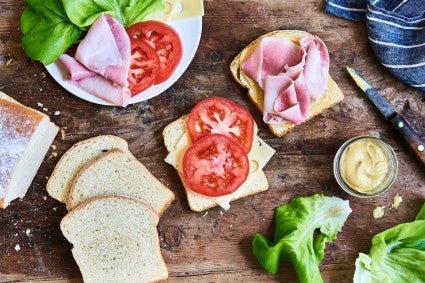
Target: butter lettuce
(47, 31)
(396, 255)
(50, 27)
(302, 229)
(83, 13)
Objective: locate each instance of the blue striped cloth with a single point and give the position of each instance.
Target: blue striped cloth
(396, 30)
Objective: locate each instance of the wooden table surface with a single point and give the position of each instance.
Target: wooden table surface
(215, 246)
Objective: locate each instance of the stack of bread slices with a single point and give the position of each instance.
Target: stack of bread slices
(114, 204)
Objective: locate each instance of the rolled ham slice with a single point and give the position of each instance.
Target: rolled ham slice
(92, 82)
(316, 68)
(106, 50)
(290, 75)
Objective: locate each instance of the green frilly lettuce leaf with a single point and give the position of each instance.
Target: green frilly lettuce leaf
(397, 255)
(50, 27)
(303, 227)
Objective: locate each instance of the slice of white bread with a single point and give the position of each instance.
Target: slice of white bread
(331, 97)
(59, 183)
(25, 137)
(176, 139)
(115, 240)
(119, 172)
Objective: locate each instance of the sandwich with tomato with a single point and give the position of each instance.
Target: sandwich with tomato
(217, 153)
(286, 73)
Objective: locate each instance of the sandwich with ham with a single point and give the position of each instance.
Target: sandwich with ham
(217, 153)
(287, 76)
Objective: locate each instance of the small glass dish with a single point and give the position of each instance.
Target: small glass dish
(365, 166)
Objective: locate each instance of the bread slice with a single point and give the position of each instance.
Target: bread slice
(119, 172)
(59, 183)
(331, 97)
(115, 240)
(176, 139)
(25, 137)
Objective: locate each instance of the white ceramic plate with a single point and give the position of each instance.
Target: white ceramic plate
(190, 34)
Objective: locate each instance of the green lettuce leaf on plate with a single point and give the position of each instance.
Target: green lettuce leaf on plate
(47, 31)
(303, 227)
(84, 13)
(397, 255)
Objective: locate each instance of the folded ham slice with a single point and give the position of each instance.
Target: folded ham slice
(106, 50)
(102, 62)
(94, 83)
(290, 75)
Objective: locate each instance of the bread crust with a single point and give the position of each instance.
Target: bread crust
(30, 133)
(330, 98)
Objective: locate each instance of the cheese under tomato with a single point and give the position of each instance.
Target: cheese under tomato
(258, 157)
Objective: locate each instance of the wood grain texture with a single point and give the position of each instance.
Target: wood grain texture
(216, 246)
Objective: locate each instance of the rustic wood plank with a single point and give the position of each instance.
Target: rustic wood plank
(215, 246)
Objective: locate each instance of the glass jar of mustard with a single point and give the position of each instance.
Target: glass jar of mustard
(365, 166)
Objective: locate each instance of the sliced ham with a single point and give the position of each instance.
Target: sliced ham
(94, 83)
(316, 69)
(106, 50)
(272, 56)
(290, 75)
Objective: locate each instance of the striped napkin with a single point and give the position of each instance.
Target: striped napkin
(396, 30)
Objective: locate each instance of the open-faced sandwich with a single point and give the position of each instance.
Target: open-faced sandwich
(286, 73)
(217, 153)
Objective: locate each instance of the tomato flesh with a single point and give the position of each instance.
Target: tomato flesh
(166, 42)
(144, 67)
(215, 166)
(219, 115)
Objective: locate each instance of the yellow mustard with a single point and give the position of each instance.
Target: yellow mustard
(364, 166)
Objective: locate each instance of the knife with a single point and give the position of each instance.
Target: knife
(412, 139)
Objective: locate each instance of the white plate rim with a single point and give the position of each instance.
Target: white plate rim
(189, 30)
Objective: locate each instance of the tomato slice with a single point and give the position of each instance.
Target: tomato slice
(223, 116)
(144, 67)
(165, 40)
(215, 165)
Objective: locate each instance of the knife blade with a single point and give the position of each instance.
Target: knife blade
(412, 138)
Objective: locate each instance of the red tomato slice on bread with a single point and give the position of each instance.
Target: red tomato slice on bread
(144, 67)
(218, 115)
(215, 166)
(165, 40)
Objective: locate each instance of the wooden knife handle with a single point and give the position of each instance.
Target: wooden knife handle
(411, 137)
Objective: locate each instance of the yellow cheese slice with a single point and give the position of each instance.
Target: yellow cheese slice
(180, 9)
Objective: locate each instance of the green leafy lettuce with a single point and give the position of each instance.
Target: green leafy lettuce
(83, 13)
(50, 27)
(47, 31)
(396, 255)
(302, 229)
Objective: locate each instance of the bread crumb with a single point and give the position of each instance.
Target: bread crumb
(57, 113)
(53, 147)
(44, 197)
(221, 212)
(378, 212)
(63, 134)
(17, 248)
(55, 154)
(39, 104)
(8, 62)
(55, 208)
(397, 200)
(205, 214)
(28, 232)
(45, 109)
